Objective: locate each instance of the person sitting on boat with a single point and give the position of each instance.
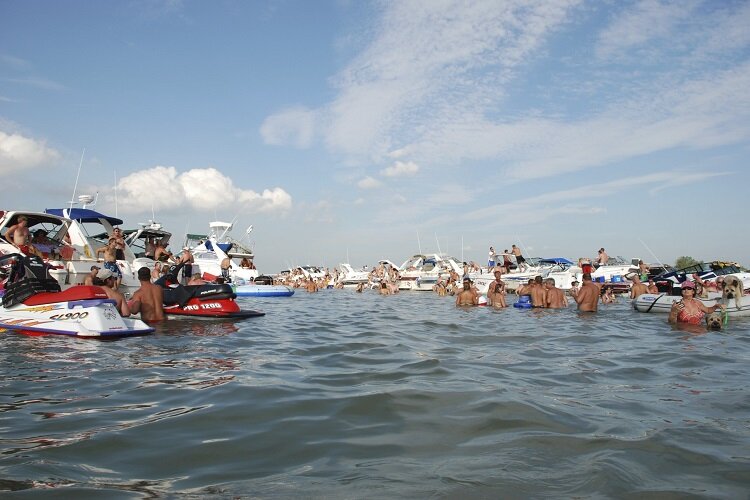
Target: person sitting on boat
(643, 269)
(148, 300)
(245, 263)
(689, 310)
(652, 288)
(119, 243)
(110, 259)
(196, 280)
(161, 253)
(89, 279)
(602, 259)
(150, 248)
(107, 280)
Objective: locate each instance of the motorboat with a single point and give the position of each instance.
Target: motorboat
(615, 270)
(670, 282)
(216, 255)
(348, 277)
(34, 304)
(562, 270)
(263, 286)
(210, 300)
(662, 303)
(421, 272)
(47, 235)
(89, 231)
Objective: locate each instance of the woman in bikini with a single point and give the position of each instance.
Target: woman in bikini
(689, 310)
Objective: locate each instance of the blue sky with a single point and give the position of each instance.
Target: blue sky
(371, 129)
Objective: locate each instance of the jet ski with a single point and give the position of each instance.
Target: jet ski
(211, 300)
(33, 304)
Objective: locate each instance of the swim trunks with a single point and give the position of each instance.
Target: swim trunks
(519, 259)
(112, 266)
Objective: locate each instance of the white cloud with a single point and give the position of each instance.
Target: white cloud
(18, 152)
(163, 188)
(369, 183)
(400, 169)
(292, 126)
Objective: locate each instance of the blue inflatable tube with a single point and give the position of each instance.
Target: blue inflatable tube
(524, 302)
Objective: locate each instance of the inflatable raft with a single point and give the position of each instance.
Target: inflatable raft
(264, 291)
(662, 303)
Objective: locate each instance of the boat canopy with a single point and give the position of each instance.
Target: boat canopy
(83, 215)
(556, 260)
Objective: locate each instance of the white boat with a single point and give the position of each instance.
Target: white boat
(263, 286)
(211, 250)
(662, 303)
(348, 277)
(671, 281)
(89, 230)
(615, 270)
(34, 304)
(422, 272)
(563, 271)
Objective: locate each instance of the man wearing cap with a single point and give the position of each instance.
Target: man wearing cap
(587, 297)
(89, 279)
(107, 280)
(468, 296)
(689, 310)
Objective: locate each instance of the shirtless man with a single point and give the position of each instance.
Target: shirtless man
(468, 296)
(108, 284)
(119, 243)
(18, 234)
(637, 288)
(496, 291)
(652, 288)
(384, 289)
(587, 297)
(556, 298)
(186, 257)
(602, 259)
(89, 279)
(519, 258)
(110, 259)
(311, 285)
(538, 294)
(525, 289)
(148, 299)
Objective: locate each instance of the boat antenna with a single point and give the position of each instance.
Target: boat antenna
(75, 188)
(652, 253)
(523, 247)
(462, 248)
(419, 244)
(115, 193)
(438, 244)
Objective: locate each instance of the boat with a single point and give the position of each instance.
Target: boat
(671, 281)
(662, 303)
(211, 300)
(421, 272)
(562, 270)
(217, 247)
(348, 277)
(615, 270)
(263, 286)
(89, 230)
(34, 304)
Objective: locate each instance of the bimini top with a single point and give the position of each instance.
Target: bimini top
(556, 260)
(83, 215)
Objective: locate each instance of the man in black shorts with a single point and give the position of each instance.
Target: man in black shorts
(520, 261)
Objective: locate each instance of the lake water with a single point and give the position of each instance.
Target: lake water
(345, 395)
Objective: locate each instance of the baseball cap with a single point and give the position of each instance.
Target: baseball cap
(104, 274)
(688, 284)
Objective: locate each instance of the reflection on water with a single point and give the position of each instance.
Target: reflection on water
(339, 394)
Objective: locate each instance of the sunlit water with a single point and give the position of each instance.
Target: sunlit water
(346, 395)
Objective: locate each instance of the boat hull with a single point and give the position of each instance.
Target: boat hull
(662, 303)
(264, 291)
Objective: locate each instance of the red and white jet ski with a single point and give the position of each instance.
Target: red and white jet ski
(33, 304)
(212, 300)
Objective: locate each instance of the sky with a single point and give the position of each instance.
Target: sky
(354, 131)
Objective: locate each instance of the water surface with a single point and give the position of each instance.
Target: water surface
(342, 395)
